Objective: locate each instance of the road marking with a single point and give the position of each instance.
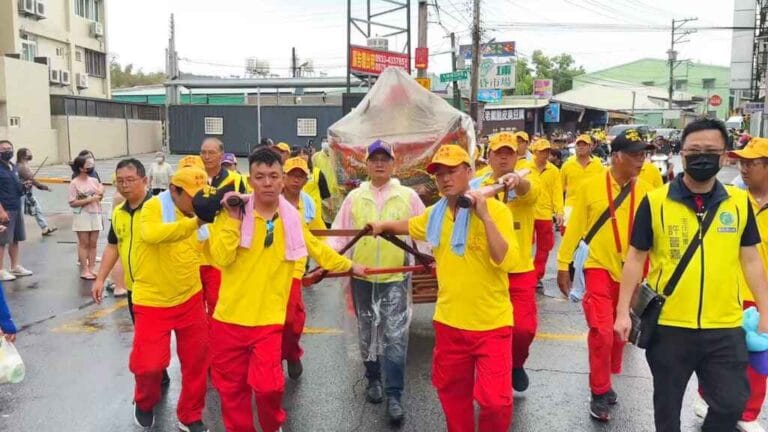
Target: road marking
(561, 336)
(88, 324)
(322, 330)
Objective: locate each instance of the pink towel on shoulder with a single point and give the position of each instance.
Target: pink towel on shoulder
(295, 247)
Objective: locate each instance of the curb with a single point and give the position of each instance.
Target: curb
(61, 180)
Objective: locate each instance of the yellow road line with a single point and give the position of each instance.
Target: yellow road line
(88, 323)
(561, 336)
(322, 330)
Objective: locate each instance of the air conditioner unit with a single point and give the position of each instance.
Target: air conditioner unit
(40, 9)
(54, 76)
(27, 7)
(97, 29)
(65, 80)
(43, 60)
(82, 81)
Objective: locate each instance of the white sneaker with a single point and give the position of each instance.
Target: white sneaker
(6, 276)
(20, 271)
(700, 407)
(752, 426)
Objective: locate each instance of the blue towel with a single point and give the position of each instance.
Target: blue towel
(756, 342)
(579, 284)
(168, 212)
(6, 323)
(309, 207)
(460, 227)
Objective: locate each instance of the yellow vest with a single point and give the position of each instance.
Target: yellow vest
(312, 188)
(377, 252)
(708, 293)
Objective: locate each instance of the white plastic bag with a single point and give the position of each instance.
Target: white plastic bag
(11, 365)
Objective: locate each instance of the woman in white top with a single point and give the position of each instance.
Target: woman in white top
(85, 195)
(160, 174)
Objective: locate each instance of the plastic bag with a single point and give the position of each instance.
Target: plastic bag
(11, 365)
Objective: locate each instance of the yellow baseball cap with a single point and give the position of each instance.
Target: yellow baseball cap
(503, 139)
(191, 179)
(283, 147)
(523, 135)
(192, 161)
(450, 155)
(584, 138)
(541, 144)
(296, 163)
(755, 149)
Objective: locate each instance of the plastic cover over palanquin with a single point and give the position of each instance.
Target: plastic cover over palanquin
(402, 113)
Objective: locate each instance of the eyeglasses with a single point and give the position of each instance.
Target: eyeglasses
(126, 181)
(749, 163)
(270, 237)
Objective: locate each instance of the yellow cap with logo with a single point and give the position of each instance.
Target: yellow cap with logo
(191, 161)
(191, 179)
(296, 163)
(449, 155)
(503, 139)
(283, 147)
(523, 136)
(756, 148)
(541, 144)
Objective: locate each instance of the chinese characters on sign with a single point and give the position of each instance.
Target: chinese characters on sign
(366, 61)
(496, 75)
(504, 114)
(422, 58)
(496, 49)
(542, 88)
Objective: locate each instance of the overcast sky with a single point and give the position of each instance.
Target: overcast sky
(216, 37)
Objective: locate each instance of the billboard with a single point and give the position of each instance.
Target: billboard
(489, 96)
(367, 61)
(552, 113)
(742, 44)
(494, 49)
(542, 88)
(496, 75)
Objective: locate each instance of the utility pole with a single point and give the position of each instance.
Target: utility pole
(677, 37)
(423, 14)
(456, 94)
(293, 62)
(475, 79)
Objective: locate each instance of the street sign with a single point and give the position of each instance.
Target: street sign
(492, 96)
(422, 58)
(496, 75)
(425, 82)
(367, 61)
(715, 100)
(754, 107)
(459, 75)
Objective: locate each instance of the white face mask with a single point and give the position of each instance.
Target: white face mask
(325, 146)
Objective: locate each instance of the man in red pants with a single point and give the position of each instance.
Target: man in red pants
(257, 246)
(521, 201)
(167, 297)
(474, 248)
(549, 205)
(606, 252)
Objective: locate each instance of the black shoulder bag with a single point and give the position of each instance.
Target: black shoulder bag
(646, 305)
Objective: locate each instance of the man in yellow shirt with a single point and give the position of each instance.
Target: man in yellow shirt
(549, 205)
(170, 301)
(599, 231)
(381, 302)
(474, 248)
(521, 201)
(651, 175)
(576, 169)
(296, 174)
(257, 246)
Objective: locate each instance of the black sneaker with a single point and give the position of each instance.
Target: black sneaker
(599, 407)
(374, 393)
(395, 411)
(197, 426)
(144, 419)
(612, 397)
(166, 381)
(519, 380)
(295, 369)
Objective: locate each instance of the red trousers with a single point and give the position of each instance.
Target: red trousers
(469, 365)
(246, 362)
(544, 231)
(522, 292)
(210, 276)
(757, 387)
(295, 316)
(605, 346)
(151, 355)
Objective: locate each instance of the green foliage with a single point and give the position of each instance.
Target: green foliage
(123, 77)
(560, 68)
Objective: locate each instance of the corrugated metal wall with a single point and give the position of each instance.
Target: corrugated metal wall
(240, 125)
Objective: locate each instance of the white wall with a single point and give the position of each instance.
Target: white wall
(106, 137)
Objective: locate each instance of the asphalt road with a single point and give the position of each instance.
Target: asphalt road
(76, 356)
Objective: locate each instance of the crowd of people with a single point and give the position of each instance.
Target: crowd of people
(240, 244)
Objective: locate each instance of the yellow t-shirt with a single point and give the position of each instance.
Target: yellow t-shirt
(761, 218)
(550, 202)
(167, 258)
(573, 174)
(256, 282)
(591, 201)
(474, 291)
(650, 174)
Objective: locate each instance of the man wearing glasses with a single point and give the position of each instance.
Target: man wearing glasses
(257, 246)
(381, 302)
(699, 329)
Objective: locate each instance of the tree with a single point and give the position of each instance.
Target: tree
(123, 77)
(523, 78)
(560, 69)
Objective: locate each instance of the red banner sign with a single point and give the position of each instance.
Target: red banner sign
(422, 58)
(715, 100)
(367, 61)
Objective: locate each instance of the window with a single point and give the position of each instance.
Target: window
(306, 127)
(88, 9)
(681, 85)
(14, 121)
(28, 47)
(708, 83)
(95, 64)
(78, 55)
(214, 125)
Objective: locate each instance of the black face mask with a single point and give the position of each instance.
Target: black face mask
(6, 155)
(90, 171)
(702, 167)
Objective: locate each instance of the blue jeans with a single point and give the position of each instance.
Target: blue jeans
(383, 318)
(32, 208)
